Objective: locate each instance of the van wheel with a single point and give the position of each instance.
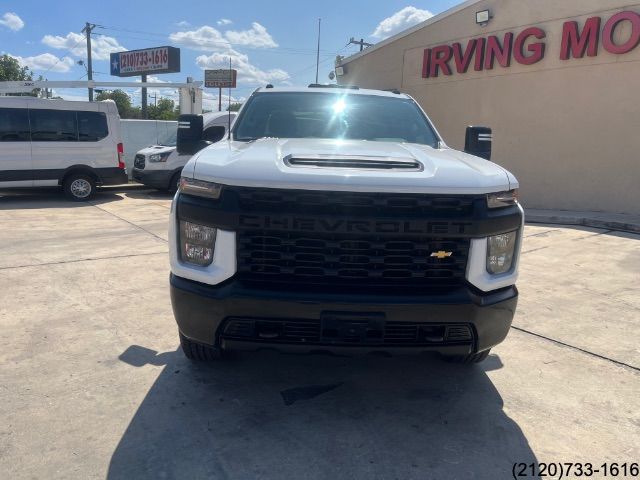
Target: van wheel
(79, 187)
(198, 351)
(174, 184)
(468, 359)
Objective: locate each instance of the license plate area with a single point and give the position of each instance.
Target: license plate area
(352, 327)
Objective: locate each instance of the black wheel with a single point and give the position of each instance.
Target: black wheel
(175, 182)
(79, 187)
(197, 351)
(468, 359)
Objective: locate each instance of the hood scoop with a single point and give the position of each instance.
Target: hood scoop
(354, 162)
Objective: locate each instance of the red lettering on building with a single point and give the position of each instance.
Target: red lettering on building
(536, 50)
(463, 60)
(484, 52)
(575, 43)
(610, 28)
(426, 60)
(440, 57)
(497, 52)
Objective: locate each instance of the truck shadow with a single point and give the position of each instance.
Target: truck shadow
(267, 415)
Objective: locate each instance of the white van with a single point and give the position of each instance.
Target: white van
(74, 145)
(159, 166)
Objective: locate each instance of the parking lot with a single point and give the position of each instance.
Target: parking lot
(93, 385)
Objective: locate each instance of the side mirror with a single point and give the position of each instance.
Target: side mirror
(189, 140)
(477, 141)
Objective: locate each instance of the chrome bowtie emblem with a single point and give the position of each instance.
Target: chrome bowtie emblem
(441, 254)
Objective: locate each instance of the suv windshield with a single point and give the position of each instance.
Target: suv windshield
(338, 116)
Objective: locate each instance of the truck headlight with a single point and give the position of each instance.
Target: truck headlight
(200, 188)
(502, 199)
(197, 243)
(159, 157)
(500, 250)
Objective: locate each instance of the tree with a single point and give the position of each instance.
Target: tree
(234, 107)
(123, 102)
(11, 71)
(164, 110)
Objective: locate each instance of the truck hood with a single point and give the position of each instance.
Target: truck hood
(268, 162)
(155, 149)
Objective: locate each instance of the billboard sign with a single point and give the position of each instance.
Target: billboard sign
(148, 60)
(224, 78)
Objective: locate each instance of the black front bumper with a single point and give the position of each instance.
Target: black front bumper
(152, 178)
(202, 311)
(113, 176)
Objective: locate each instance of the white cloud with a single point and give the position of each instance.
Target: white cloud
(204, 38)
(210, 101)
(257, 36)
(224, 21)
(183, 24)
(75, 43)
(209, 38)
(247, 72)
(11, 21)
(401, 20)
(46, 62)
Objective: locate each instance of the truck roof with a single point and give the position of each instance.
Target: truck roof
(342, 89)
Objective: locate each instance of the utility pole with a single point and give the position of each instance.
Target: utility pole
(155, 99)
(318, 51)
(88, 28)
(145, 113)
(362, 43)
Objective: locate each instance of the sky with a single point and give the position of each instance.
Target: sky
(269, 41)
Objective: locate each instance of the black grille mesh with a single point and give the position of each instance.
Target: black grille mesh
(341, 259)
(139, 161)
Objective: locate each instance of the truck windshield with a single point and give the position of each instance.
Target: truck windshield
(335, 116)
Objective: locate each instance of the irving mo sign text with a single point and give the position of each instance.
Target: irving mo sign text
(528, 47)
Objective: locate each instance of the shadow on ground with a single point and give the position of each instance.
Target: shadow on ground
(35, 198)
(267, 415)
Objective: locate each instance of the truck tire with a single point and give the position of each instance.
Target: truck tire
(198, 351)
(174, 182)
(79, 187)
(468, 359)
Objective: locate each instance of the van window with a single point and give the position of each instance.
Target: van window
(14, 125)
(213, 134)
(53, 126)
(92, 126)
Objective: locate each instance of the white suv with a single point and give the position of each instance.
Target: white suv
(336, 219)
(159, 166)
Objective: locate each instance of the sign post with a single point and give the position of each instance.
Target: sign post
(143, 62)
(222, 78)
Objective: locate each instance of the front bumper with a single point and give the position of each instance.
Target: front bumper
(113, 176)
(152, 178)
(202, 312)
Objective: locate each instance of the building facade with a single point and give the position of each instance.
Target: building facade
(558, 82)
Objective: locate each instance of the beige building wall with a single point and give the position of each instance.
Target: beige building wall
(569, 130)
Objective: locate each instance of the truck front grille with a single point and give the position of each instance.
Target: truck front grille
(353, 203)
(309, 332)
(139, 161)
(348, 260)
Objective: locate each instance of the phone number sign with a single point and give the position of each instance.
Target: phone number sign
(147, 60)
(220, 78)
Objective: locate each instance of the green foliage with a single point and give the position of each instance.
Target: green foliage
(11, 71)
(165, 110)
(234, 107)
(123, 102)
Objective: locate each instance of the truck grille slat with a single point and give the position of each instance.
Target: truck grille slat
(286, 257)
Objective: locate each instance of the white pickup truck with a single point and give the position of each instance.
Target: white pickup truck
(336, 219)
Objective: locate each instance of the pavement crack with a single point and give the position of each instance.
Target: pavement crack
(62, 262)
(130, 223)
(593, 354)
